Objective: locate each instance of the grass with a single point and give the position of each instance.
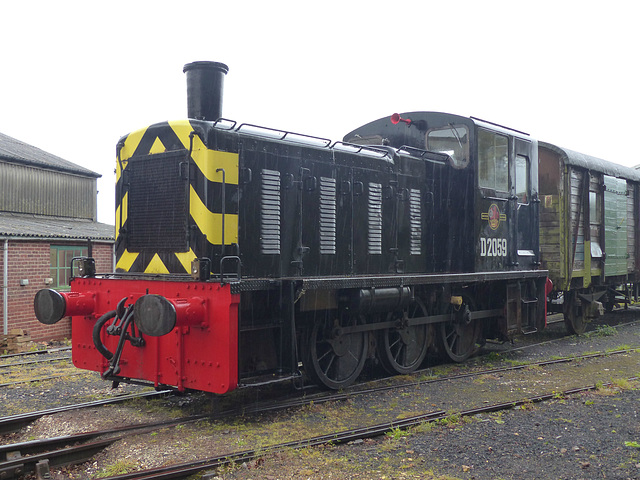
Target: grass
(117, 468)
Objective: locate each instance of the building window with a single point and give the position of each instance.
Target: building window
(61, 256)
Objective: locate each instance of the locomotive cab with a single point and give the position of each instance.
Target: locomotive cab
(489, 208)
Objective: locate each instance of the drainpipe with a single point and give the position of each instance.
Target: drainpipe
(5, 287)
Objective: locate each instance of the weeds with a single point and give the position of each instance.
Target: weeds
(602, 331)
(396, 433)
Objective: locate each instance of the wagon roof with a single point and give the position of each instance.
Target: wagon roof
(595, 164)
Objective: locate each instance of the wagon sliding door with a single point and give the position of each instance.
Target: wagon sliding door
(615, 226)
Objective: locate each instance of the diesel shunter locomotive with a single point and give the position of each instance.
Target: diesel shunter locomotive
(247, 254)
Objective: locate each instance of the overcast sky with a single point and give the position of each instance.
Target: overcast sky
(77, 75)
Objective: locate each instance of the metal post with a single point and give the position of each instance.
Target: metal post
(5, 287)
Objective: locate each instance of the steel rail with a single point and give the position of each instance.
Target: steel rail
(184, 470)
(13, 423)
(19, 466)
(23, 458)
(44, 379)
(35, 352)
(36, 362)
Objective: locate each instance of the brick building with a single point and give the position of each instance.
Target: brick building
(48, 212)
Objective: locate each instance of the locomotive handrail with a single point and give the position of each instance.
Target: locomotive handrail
(233, 123)
(262, 131)
(496, 199)
(441, 158)
(238, 272)
(299, 138)
(224, 205)
(382, 152)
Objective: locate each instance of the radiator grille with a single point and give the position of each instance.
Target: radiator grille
(375, 219)
(415, 222)
(270, 213)
(158, 213)
(327, 215)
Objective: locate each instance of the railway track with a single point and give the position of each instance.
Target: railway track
(43, 454)
(42, 379)
(84, 452)
(185, 470)
(38, 456)
(25, 367)
(39, 361)
(13, 423)
(89, 446)
(35, 353)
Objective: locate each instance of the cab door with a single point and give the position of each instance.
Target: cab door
(524, 189)
(493, 204)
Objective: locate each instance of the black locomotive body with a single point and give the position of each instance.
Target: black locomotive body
(247, 253)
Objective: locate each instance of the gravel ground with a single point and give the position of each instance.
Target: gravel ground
(585, 436)
(590, 436)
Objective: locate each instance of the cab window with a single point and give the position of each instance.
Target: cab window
(493, 161)
(452, 140)
(522, 179)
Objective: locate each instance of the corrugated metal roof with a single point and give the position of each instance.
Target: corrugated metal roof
(13, 150)
(39, 226)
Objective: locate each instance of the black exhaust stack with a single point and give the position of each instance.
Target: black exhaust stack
(205, 82)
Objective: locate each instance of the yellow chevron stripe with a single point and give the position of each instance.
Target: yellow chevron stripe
(208, 161)
(126, 260)
(182, 128)
(185, 259)
(123, 207)
(156, 266)
(130, 145)
(157, 147)
(210, 223)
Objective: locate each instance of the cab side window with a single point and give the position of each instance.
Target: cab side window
(522, 179)
(493, 161)
(452, 140)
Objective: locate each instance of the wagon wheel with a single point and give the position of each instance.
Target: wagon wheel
(458, 336)
(574, 314)
(401, 349)
(334, 358)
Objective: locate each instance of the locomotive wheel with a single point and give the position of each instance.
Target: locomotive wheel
(402, 349)
(458, 337)
(573, 314)
(333, 358)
